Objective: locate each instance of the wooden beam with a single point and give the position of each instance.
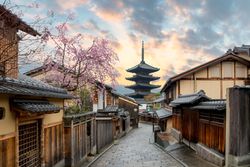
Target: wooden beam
(7, 136)
(234, 73)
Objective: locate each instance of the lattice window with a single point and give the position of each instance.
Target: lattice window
(29, 145)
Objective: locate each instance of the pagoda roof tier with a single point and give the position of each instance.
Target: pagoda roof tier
(142, 86)
(143, 67)
(138, 94)
(142, 77)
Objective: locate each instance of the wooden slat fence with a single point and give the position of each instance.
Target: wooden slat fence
(53, 144)
(7, 152)
(104, 132)
(79, 134)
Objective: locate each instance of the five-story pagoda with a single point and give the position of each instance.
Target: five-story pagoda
(142, 79)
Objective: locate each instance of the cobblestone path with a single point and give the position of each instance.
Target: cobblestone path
(135, 150)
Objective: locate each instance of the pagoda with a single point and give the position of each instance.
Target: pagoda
(142, 79)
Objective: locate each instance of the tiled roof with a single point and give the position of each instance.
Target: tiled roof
(123, 96)
(163, 113)
(243, 48)
(211, 105)
(143, 85)
(35, 106)
(160, 99)
(28, 86)
(144, 77)
(189, 99)
(111, 108)
(143, 66)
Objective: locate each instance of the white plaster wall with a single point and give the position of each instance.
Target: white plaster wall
(7, 125)
(57, 117)
(201, 73)
(211, 87)
(241, 70)
(186, 86)
(225, 85)
(214, 71)
(227, 69)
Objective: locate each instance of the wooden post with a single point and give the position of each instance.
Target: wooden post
(238, 127)
(17, 142)
(42, 144)
(72, 143)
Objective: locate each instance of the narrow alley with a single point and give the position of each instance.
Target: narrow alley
(136, 150)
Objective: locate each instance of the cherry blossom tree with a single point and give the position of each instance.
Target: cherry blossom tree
(74, 64)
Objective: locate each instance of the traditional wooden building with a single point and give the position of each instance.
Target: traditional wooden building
(214, 77)
(142, 79)
(31, 125)
(199, 122)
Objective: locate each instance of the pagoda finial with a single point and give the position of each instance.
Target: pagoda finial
(142, 52)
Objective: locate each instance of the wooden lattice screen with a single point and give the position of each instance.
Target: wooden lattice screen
(29, 145)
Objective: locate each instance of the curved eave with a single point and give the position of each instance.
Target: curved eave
(142, 77)
(138, 69)
(143, 67)
(138, 94)
(140, 86)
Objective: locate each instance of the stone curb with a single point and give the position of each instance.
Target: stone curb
(99, 155)
(104, 151)
(160, 147)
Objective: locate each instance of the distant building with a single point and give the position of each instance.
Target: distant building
(142, 79)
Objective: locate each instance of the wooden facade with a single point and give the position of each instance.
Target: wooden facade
(201, 126)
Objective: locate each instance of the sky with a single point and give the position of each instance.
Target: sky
(178, 34)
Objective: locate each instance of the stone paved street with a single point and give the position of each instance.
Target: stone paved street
(135, 150)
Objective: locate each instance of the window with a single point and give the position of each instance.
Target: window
(2, 113)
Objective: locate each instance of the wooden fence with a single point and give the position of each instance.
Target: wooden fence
(53, 144)
(104, 127)
(79, 134)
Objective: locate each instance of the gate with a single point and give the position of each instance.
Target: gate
(29, 144)
(190, 125)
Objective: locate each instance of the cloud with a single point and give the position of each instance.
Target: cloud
(144, 17)
(69, 5)
(91, 25)
(147, 17)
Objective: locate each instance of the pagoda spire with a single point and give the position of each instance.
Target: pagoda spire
(142, 53)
